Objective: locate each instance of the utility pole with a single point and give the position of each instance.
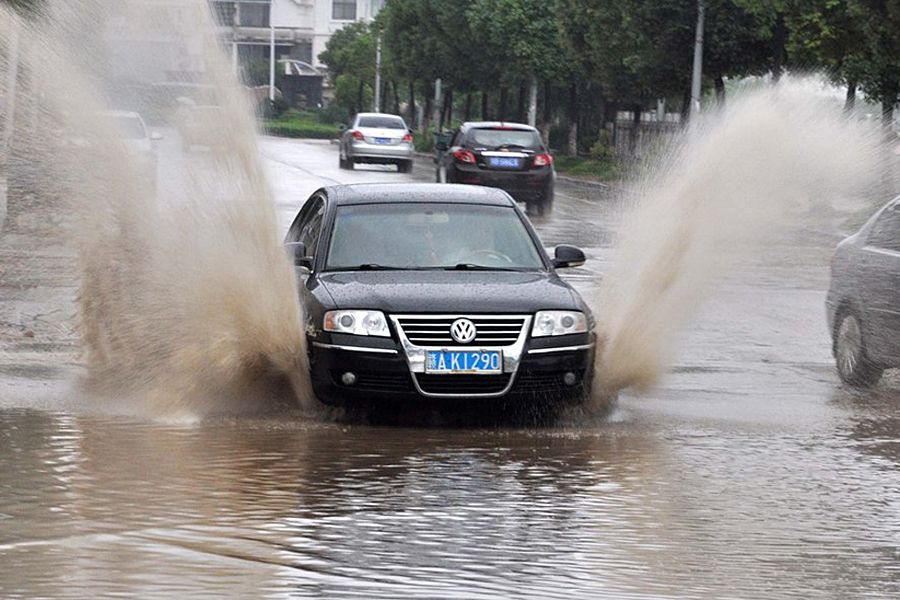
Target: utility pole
(437, 103)
(532, 102)
(378, 73)
(271, 62)
(698, 61)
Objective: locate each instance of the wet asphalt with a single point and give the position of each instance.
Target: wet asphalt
(748, 472)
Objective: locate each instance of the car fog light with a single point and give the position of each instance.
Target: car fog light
(570, 378)
(348, 378)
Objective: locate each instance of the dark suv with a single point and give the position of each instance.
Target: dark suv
(509, 156)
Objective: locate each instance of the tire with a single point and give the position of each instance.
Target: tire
(343, 162)
(542, 206)
(404, 166)
(853, 363)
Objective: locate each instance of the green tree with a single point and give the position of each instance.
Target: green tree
(350, 57)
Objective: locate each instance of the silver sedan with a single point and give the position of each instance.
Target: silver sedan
(377, 138)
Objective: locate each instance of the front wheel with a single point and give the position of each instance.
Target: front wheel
(853, 363)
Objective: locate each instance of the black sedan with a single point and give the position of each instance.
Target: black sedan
(427, 291)
(863, 302)
(509, 156)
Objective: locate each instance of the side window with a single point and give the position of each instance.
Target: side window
(886, 231)
(311, 227)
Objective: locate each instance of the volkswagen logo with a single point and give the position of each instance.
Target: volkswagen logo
(463, 331)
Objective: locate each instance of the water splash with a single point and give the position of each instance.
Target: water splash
(719, 194)
(186, 297)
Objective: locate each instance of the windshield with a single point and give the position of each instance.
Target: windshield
(497, 138)
(431, 236)
(382, 122)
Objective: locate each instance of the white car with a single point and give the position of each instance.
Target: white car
(377, 138)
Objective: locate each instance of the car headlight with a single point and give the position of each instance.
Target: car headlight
(357, 322)
(558, 322)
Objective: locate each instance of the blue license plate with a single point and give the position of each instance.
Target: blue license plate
(503, 162)
(463, 361)
(382, 140)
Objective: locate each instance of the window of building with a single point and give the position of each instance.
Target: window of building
(224, 12)
(254, 14)
(343, 10)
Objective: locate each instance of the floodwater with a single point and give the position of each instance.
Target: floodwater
(748, 472)
(742, 470)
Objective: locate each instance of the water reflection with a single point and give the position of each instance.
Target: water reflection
(274, 508)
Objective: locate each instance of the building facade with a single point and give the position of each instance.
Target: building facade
(301, 27)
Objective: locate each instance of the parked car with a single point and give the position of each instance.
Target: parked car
(510, 156)
(414, 292)
(863, 302)
(377, 138)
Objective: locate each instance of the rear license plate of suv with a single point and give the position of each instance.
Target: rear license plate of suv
(463, 361)
(382, 140)
(503, 162)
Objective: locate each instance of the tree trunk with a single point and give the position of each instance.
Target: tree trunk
(485, 113)
(887, 122)
(779, 39)
(850, 99)
(501, 116)
(636, 131)
(720, 90)
(412, 104)
(520, 108)
(686, 107)
(426, 116)
(447, 109)
(396, 97)
(545, 115)
(573, 120)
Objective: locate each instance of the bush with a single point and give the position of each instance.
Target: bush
(602, 148)
(273, 109)
(333, 113)
(297, 128)
(423, 143)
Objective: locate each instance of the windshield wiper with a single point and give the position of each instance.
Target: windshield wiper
(474, 267)
(375, 267)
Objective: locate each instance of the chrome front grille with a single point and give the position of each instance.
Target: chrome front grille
(434, 330)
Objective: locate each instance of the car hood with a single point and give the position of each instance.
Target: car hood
(450, 291)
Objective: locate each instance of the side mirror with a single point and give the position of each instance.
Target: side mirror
(567, 256)
(297, 250)
(156, 136)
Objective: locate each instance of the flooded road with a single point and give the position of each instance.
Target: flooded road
(749, 472)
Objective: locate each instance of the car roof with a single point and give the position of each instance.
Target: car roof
(497, 124)
(388, 193)
(374, 114)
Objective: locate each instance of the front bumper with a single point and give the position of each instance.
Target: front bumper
(384, 372)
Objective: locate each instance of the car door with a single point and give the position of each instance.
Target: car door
(879, 287)
(307, 229)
